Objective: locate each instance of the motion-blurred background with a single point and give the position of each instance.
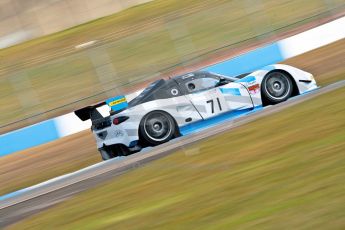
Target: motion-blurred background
(60, 55)
(50, 72)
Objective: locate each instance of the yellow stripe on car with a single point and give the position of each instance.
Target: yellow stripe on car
(116, 102)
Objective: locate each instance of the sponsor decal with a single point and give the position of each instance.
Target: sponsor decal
(117, 103)
(118, 133)
(253, 89)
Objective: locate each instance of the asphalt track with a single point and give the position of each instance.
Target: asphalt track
(57, 190)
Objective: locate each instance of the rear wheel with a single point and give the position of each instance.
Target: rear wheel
(157, 127)
(277, 87)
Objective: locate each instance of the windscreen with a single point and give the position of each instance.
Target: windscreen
(146, 92)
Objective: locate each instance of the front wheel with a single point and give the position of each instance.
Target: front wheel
(157, 127)
(277, 87)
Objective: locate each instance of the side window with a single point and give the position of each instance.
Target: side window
(199, 84)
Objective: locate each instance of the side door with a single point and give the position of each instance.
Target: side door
(206, 98)
(236, 96)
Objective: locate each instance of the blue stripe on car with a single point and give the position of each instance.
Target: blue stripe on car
(203, 124)
(247, 79)
(233, 91)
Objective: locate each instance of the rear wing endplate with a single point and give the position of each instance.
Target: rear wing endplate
(89, 112)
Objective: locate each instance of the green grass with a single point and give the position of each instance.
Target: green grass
(282, 171)
(136, 43)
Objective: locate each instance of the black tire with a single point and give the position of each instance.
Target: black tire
(277, 87)
(157, 127)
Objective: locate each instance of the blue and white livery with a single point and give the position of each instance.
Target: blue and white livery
(165, 108)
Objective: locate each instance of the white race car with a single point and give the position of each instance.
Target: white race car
(166, 108)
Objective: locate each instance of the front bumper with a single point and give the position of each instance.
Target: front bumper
(307, 84)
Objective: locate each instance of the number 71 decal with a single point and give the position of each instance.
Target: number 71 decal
(212, 104)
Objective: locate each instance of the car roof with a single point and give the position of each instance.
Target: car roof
(195, 74)
(160, 89)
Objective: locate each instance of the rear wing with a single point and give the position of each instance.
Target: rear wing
(116, 104)
(89, 112)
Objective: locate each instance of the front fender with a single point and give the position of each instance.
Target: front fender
(305, 81)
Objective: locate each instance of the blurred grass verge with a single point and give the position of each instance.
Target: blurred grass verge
(23, 169)
(133, 45)
(282, 171)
